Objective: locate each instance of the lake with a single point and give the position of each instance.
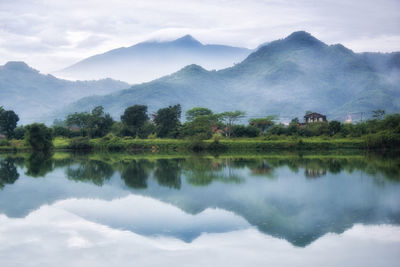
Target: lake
(281, 209)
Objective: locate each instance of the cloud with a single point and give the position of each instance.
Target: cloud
(51, 235)
(47, 30)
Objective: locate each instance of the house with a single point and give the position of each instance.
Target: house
(314, 117)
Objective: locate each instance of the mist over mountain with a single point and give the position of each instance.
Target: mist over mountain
(150, 60)
(285, 77)
(33, 95)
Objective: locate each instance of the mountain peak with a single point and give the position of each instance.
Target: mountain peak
(187, 40)
(18, 66)
(303, 38)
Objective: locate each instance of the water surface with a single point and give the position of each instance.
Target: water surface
(199, 210)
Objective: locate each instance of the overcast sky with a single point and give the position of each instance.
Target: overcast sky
(52, 34)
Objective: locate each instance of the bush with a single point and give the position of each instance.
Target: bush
(245, 131)
(4, 142)
(19, 132)
(63, 132)
(197, 144)
(39, 137)
(80, 143)
(216, 145)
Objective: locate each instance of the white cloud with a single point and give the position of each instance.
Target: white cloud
(51, 235)
(40, 32)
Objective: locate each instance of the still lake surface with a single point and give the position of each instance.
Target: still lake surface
(199, 210)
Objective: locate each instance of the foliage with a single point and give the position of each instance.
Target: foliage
(19, 132)
(134, 118)
(39, 137)
(245, 131)
(95, 124)
(167, 121)
(263, 123)
(79, 143)
(229, 117)
(194, 113)
(8, 122)
(378, 114)
(201, 126)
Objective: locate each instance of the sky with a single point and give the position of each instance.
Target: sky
(50, 35)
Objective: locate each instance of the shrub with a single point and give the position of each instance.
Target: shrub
(80, 143)
(39, 137)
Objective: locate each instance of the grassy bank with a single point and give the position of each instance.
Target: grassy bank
(156, 145)
(250, 144)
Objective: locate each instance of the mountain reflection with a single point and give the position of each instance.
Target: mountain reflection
(298, 198)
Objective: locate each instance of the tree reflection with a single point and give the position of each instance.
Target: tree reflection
(8, 172)
(203, 171)
(136, 172)
(94, 171)
(168, 173)
(39, 164)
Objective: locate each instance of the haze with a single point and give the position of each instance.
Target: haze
(51, 35)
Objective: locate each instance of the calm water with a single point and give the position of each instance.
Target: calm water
(158, 210)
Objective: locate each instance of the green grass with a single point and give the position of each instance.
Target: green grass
(113, 143)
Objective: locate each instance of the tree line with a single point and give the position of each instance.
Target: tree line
(200, 124)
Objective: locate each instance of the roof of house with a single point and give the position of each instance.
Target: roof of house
(313, 115)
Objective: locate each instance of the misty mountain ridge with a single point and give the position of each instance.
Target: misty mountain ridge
(149, 60)
(33, 95)
(284, 77)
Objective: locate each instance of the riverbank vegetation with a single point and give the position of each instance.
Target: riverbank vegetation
(202, 130)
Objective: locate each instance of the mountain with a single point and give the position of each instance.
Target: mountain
(285, 77)
(33, 95)
(150, 60)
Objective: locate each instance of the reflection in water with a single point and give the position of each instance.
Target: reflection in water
(90, 170)
(8, 172)
(136, 172)
(349, 190)
(39, 164)
(168, 173)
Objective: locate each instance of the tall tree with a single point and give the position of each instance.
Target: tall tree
(39, 137)
(230, 117)
(263, 123)
(100, 123)
(193, 113)
(167, 121)
(8, 122)
(134, 118)
(95, 124)
(378, 114)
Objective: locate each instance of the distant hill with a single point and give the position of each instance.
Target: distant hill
(33, 95)
(285, 77)
(150, 60)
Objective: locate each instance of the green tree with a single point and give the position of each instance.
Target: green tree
(334, 127)
(263, 123)
(8, 122)
(167, 121)
(378, 114)
(229, 118)
(100, 123)
(194, 113)
(201, 126)
(134, 118)
(19, 132)
(95, 124)
(39, 137)
(293, 126)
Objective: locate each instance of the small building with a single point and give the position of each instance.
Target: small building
(2, 136)
(314, 117)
